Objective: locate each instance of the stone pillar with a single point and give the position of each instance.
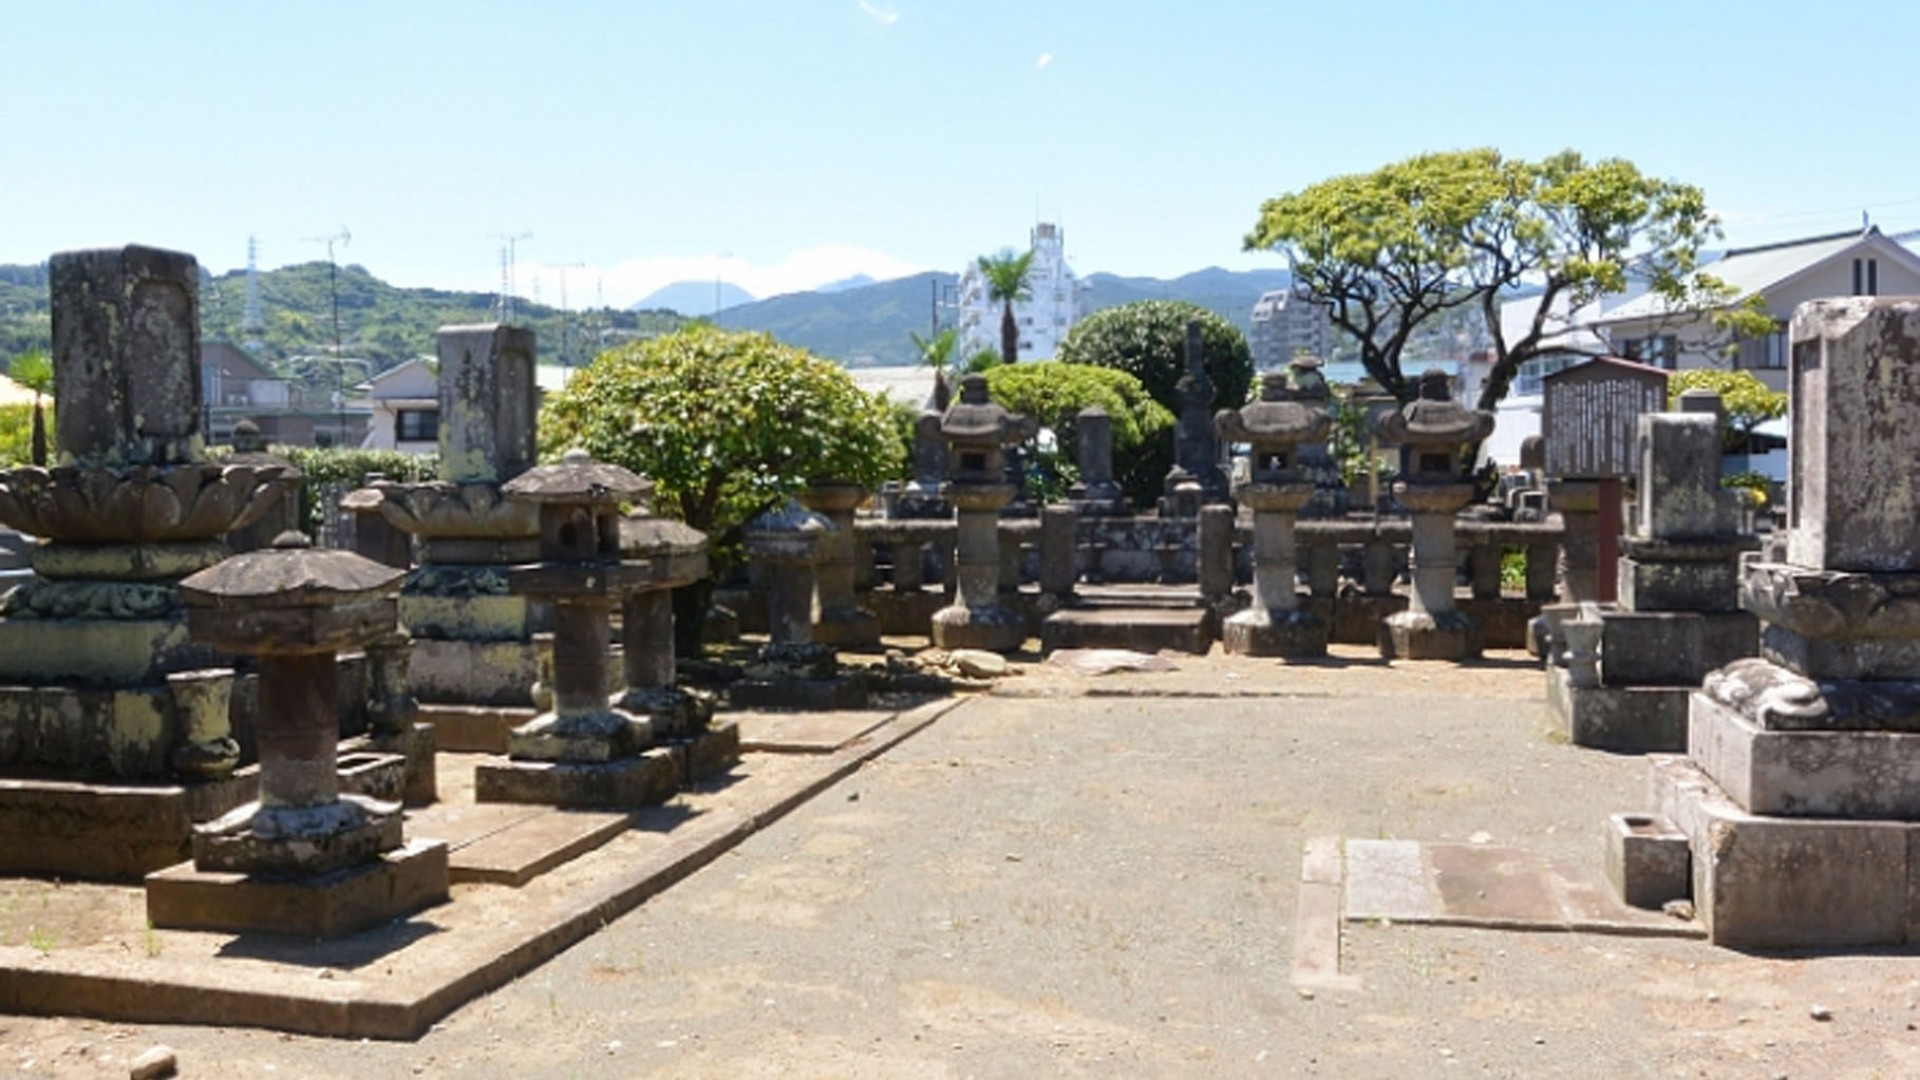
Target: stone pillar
(126, 356)
(1323, 567)
(1196, 453)
(1214, 555)
(303, 845)
(1435, 429)
(391, 714)
(373, 536)
(1096, 493)
(838, 618)
(1059, 551)
(1277, 427)
(1578, 504)
(677, 555)
(1378, 567)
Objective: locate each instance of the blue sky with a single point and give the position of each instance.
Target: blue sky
(786, 143)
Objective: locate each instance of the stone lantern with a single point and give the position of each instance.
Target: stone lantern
(677, 553)
(793, 670)
(977, 432)
(583, 751)
(838, 618)
(1277, 426)
(1435, 429)
(303, 858)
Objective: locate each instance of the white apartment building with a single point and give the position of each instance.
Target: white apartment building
(1285, 323)
(1044, 318)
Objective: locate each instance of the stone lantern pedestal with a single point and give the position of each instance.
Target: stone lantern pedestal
(1277, 426)
(1436, 429)
(583, 751)
(793, 670)
(838, 618)
(682, 717)
(977, 432)
(303, 858)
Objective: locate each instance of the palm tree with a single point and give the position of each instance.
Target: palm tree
(34, 371)
(937, 352)
(1006, 275)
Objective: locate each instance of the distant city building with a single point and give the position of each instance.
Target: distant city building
(1043, 319)
(1285, 323)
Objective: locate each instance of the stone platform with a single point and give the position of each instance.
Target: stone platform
(397, 979)
(401, 882)
(1625, 719)
(1143, 629)
(108, 832)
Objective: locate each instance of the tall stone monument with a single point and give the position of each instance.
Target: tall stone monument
(1799, 796)
(1196, 453)
(977, 432)
(473, 637)
(1277, 426)
(1435, 429)
(1096, 493)
(99, 677)
(1679, 615)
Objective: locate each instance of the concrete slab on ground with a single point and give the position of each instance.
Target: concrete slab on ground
(774, 732)
(1483, 885)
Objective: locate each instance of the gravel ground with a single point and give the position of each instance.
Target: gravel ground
(1074, 876)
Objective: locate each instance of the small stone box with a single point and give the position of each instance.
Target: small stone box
(1647, 860)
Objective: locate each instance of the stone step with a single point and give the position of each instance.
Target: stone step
(1141, 629)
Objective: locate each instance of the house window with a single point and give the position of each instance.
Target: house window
(1658, 350)
(418, 425)
(1773, 349)
(1866, 277)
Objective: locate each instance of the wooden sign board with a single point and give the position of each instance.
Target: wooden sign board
(1590, 418)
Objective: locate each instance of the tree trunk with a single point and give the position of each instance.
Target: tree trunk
(1009, 335)
(38, 447)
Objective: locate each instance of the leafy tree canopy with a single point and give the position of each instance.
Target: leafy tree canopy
(726, 424)
(1747, 401)
(1395, 248)
(1148, 340)
(1054, 393)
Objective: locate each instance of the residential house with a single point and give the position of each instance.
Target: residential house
(235, 387)
(404, 403)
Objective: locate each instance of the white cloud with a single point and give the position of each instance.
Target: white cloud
(879, 13)
(629, 280)
(1045, 59)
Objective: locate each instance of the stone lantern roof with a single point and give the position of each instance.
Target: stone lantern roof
(977, 418)
(1434, 420)
(1274, 420)
(292, 598)
(578, 479)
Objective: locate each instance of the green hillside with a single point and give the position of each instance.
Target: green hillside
(381, 323)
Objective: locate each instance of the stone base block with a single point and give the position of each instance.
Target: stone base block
(398, 883)
(102, 832)
(609, 735)
(474, 729)
(1628, 719)
(1411, 636)
(847, 628)
(710, 753)
(906, 614)
(371, 774)
(298, 841)
(1672, 648)
(1841, 658)
(992, 629)
(472, 618)
(1790, 883)
(1294, 635)
(1681, 586)
(1147, 630)
(416, 747)
(499, 673)
(126, 651)
(651, 777)
(832, 692)
(129, 733)
(1647, 860)
(1829, 774)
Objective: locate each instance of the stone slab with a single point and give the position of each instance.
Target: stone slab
(1824, 774)
(647, 778)
(805, 732)
(1489, 887)
(1316, 925)
(709, 755)
(1624, 719)
(1789, 883)
(107, 832)
(1147, 630)
(834, 692)
(474, 729)
(1841, 658)
(401, 882)
(1407, 636)
(530, 847)
(488, 941)
(1647, 585)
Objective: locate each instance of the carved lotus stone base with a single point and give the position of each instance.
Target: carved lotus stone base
(675, 711)
(1295, 635)
(1409, 635)
(590, 739)
(1832, 603)
(298, 841)
(392, 885)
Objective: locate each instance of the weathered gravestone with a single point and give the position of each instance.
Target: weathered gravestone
(1800, 792)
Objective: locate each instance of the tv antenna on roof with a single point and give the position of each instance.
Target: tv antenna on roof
(509, 256)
